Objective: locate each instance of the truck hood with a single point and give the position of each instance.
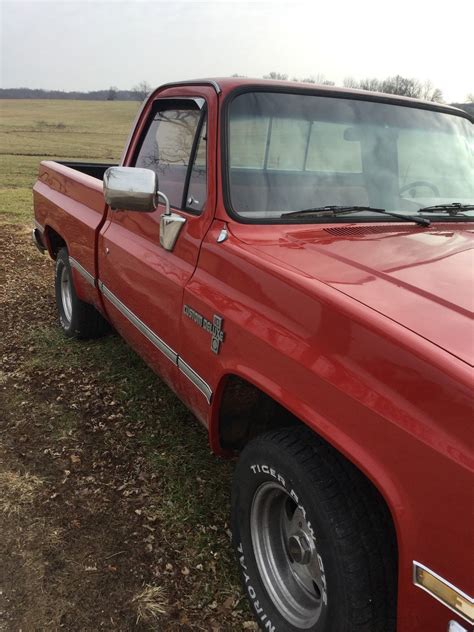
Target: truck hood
(421, 278)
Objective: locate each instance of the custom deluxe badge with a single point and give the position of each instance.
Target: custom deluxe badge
(214, 327)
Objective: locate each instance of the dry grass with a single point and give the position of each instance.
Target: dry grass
(150, 604)
(85, 129)
(17, 491)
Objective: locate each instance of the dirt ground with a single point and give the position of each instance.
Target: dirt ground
(113, 513)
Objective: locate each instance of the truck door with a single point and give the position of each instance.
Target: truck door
(141, 282)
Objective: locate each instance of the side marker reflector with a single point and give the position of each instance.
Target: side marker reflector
(442, 590)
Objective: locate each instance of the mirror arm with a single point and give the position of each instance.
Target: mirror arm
(161, 195)
(170, 224)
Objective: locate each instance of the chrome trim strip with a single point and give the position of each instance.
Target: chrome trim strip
(446, 583)
(160, 344)
(82, 271)
(39, 226)
(140, 325)
(196, 379)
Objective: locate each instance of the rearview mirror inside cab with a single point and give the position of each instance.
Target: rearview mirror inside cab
(352, 134)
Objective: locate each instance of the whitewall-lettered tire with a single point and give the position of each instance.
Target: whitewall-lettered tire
(313, 539)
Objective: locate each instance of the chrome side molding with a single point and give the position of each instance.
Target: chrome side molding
(139, 324)
(159, 343)
(82, 271)
(195, 379)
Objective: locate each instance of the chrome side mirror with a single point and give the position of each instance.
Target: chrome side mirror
(135, 189)
(131, 189)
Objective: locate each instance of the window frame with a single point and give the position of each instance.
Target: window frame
(177, 103)
(336, 93)
(192, 159)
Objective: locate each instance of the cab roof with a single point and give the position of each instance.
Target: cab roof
(226, 85)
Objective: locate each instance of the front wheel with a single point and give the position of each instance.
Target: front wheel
(77, 318)
(313, 538)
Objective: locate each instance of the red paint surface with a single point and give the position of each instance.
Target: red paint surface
(365, 336)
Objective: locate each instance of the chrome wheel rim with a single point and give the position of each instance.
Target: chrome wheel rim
(286, 555)
(66, 294)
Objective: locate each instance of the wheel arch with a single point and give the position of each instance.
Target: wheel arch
(241, 396)
(54, 241)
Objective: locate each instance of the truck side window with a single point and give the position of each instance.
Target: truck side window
(167, 148)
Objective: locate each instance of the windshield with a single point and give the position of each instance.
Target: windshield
(289, 152)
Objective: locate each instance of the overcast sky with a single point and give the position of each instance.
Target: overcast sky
(93, 44)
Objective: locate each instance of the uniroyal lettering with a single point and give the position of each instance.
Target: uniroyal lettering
(252, 594)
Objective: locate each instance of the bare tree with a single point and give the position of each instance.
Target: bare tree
(276, 75)
(470, 97)
(310, 79)
(112, 93)
(430, 93)
(319, 79)
(401, 85)
(397, 84)
(373, 85)
(350, 82)
(141, 90)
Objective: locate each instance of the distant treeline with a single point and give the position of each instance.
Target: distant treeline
(139, 92)
(96, 95)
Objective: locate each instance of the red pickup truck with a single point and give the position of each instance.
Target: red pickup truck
(296, 263)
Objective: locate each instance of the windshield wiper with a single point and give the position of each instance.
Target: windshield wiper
(453, 209)
(332, 211)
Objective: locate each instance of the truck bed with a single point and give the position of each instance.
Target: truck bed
(69, 194)
(94, 169)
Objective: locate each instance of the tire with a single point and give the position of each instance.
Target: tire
(76, 318)
(314, 540)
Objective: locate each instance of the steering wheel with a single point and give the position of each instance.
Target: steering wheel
(420, 183)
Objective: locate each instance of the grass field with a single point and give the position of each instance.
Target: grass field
(113, 512)
(32, 130)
